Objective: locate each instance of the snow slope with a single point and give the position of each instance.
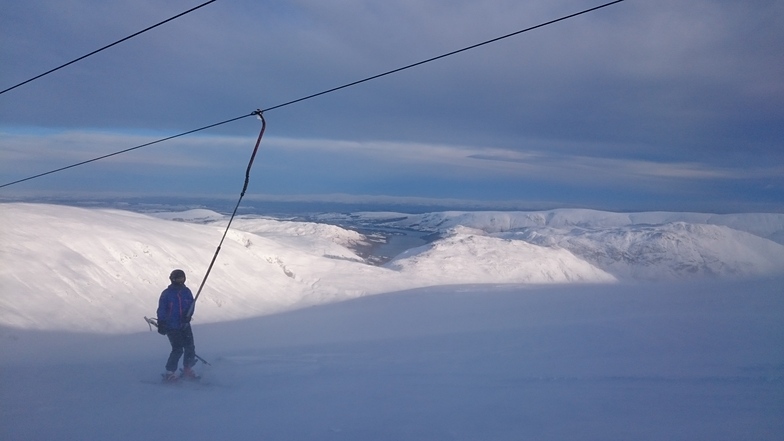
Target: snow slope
(102, 270)
(651, 246)
(697, 356)
(679, 362)
(766, 225)
(472, 258)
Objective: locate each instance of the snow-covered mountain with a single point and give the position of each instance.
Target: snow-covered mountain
(652, 246)
(766, 225)
(98, 269)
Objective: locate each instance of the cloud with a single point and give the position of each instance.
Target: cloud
(609, 168)
(67, 147)
(542, 164)
(644, 92)
(34, 152)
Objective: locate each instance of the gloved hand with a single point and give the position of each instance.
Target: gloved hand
(162, 329)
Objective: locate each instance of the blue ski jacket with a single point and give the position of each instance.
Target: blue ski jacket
(173, 306)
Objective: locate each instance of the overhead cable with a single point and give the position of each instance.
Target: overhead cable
(473, 46)
(106, 47)
(354, 83)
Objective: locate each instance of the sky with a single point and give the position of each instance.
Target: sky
(639, 106)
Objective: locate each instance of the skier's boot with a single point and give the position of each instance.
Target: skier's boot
(189, 374)
(170, 377)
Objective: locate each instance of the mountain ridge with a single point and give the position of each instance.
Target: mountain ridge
(102, 269)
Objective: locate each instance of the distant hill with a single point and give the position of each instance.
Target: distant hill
(102, 270)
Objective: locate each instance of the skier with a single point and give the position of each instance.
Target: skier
(174, 322)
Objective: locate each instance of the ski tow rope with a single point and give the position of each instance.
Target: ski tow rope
(260, 114)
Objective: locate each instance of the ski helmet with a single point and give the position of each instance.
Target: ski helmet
(177, 276)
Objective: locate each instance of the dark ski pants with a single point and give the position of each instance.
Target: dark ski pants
(181, 341)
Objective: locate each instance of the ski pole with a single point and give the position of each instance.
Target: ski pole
(203, 360)
(151, 322)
